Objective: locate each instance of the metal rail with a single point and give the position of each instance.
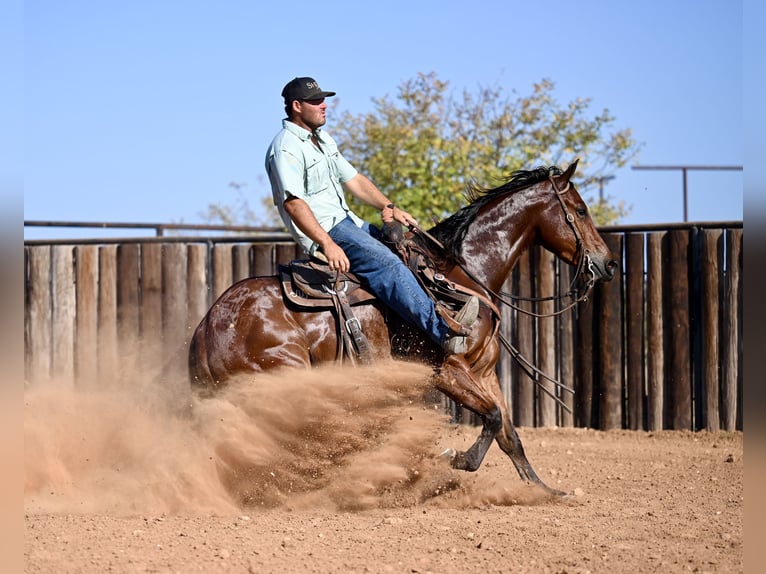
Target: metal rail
(684, 169)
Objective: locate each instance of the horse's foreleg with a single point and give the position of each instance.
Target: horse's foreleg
(457, 382)
(509, 442)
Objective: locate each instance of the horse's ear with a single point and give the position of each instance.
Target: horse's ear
(570, 171)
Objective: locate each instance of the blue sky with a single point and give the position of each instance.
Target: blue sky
(145, 111)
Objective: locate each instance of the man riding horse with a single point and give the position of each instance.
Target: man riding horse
(255, 326)
(308, 177)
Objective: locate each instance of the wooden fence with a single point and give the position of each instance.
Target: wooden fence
(659, 347)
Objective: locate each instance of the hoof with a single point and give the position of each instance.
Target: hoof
(553, 493)
(449, 454)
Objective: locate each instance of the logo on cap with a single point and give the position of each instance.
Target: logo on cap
(303, 89)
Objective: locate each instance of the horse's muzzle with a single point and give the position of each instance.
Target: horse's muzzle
(602, 268)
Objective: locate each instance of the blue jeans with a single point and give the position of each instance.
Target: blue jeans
(388, 278)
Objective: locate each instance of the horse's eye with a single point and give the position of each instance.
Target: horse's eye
(582, 211)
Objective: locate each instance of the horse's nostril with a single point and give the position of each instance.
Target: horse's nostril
(611, 267)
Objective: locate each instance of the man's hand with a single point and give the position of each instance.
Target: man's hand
(336, 257)
(392, 213)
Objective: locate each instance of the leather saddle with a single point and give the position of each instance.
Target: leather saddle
(311, 284)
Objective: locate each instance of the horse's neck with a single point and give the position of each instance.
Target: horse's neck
(498, 237)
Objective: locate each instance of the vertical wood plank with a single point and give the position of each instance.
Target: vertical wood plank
(679, 341)
(263, 259)
(197, 286)
(711, 243)
(546, 340)
(284, 253)
(504, 363)
(62, 360)
(128, 260)
(174, 298)
(655, 336)
(240, 262)
(565, 329)
(732, 339)
(222, 269)
(150, 307)
(38, 328)
(107, 313)
(86, 342)
(610, 344)
(585, 413)
(524, 413)
(634, 322)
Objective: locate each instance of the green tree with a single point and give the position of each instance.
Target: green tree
(425, 146)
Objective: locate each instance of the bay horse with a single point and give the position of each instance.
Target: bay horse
(252, 328)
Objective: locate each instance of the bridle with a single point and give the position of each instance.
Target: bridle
(584, 266)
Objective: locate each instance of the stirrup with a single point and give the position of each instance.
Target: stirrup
(460, 324)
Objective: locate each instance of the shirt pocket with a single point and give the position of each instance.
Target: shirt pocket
(332, 161)
(316, 178)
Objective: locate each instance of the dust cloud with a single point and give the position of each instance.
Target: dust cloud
(330, 438)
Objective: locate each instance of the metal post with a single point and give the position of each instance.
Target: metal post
(686, 199)
(684, 169)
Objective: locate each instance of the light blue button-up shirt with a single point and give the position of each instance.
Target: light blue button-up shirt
(297, 168)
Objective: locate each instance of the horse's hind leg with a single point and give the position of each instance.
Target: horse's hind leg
(472, 458)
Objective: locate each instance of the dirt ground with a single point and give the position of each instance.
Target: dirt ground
(327, 472)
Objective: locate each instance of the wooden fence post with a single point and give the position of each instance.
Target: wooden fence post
(108, 350)
(86, 316)
(63, 326)
(127, 302)
(585, 406)
(655, 336)
(197, 286)
(174, 314)
(611, 341)
(524, 403)
(37, 331)
(565, 330)
(634, 328)
(712, 250)
(546, 340)
(679, 339)
(505, 362)
(240, 262)
(222, 269)
(263, 260)
(732, 347)
(151, 310)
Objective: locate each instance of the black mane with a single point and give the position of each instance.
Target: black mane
(451, 231)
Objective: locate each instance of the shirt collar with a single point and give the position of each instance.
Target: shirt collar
(300, 132)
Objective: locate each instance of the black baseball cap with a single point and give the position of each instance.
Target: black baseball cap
(304, 89)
